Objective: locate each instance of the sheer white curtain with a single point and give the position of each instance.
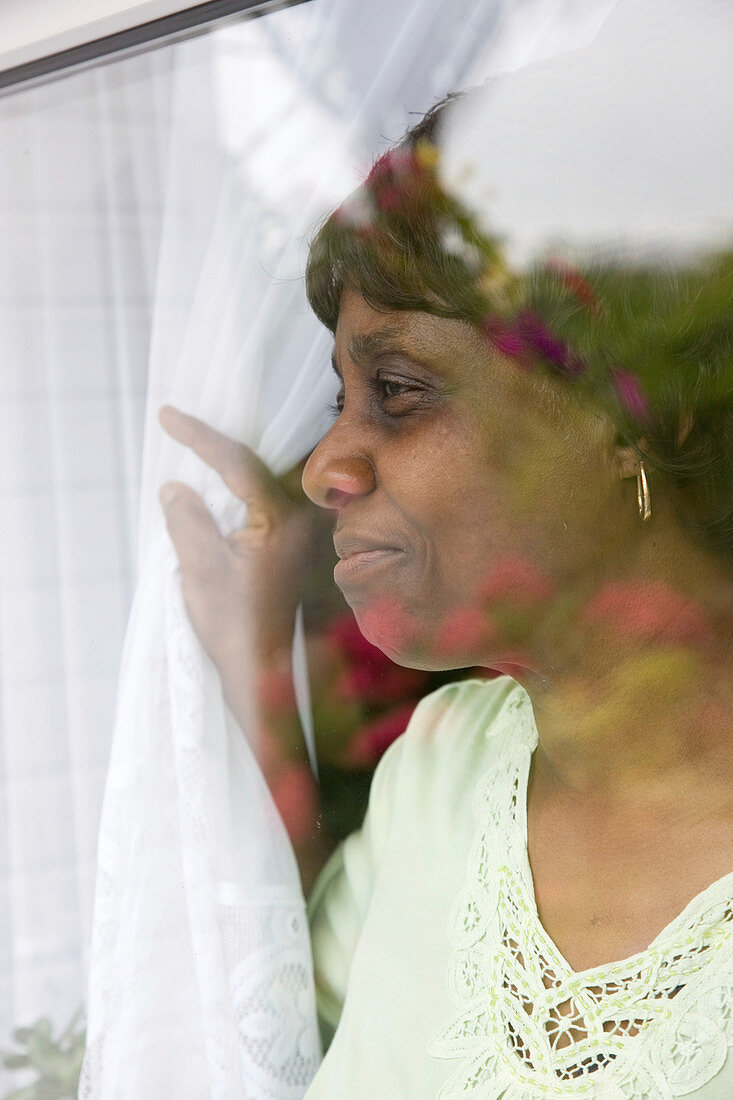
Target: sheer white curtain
(80, 209)
(201, 961)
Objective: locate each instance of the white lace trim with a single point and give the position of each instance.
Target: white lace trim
(655, 1025)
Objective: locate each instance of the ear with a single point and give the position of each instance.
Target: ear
(628, 458)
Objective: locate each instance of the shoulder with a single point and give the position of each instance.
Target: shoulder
(465, 709)
(454, 736)
(454, 730)
(464, 702)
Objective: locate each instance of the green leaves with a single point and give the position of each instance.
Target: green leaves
(56, 1062)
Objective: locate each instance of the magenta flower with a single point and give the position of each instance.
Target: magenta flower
(550, 347)
(630, 394)
(393, 177)
(504, 338)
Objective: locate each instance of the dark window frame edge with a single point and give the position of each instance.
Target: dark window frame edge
(151, 35)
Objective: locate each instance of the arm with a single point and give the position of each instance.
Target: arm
(343, 891)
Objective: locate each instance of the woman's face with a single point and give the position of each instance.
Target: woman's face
(471, 496)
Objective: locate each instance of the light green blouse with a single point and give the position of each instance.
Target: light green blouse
(432, 966)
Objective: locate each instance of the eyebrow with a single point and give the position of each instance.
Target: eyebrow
(369, 345)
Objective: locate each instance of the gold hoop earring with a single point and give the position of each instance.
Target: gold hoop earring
(643, 496)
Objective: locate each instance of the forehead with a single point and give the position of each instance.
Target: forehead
(456, 356)
(365, 333)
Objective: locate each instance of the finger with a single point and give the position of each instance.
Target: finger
(194, 533)
(238, 466)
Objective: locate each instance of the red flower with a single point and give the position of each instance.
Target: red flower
(575, 282)
(393, 177)
(374, 739)
(388, 196)
(394, 164)
(370, 676)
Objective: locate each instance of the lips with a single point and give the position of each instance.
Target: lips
(347, 546)
(361, 556)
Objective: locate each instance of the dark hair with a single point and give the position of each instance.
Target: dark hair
(651, 344)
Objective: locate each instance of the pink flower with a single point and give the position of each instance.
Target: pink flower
(647, 611)
(393, 177)
(550, 347)
(399, 163)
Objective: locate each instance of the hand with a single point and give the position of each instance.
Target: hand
(241, 590)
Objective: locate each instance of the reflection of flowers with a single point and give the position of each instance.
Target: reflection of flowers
(389, 622)
(371, 741)
(647, 612)
(369, 675)
(294, 794)
(369, 700)
(517, 579)
(462, 629)
(393, 177)
(630, 394)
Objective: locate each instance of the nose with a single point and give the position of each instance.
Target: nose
(337, 471)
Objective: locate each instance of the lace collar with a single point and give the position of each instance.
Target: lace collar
(657, 1024)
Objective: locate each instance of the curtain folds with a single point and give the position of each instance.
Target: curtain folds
(80, 213)
(201, 959)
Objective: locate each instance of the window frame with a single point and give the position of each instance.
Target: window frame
(185, 23)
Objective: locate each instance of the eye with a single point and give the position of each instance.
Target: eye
(398, 395)
(392, 389)
(395, 395)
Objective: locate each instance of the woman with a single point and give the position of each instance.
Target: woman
(529, 473)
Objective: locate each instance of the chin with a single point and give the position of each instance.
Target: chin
(411, 640)
(460, 640)
(390, 625)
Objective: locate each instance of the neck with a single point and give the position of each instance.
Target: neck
(639, 703)
(664, 728)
